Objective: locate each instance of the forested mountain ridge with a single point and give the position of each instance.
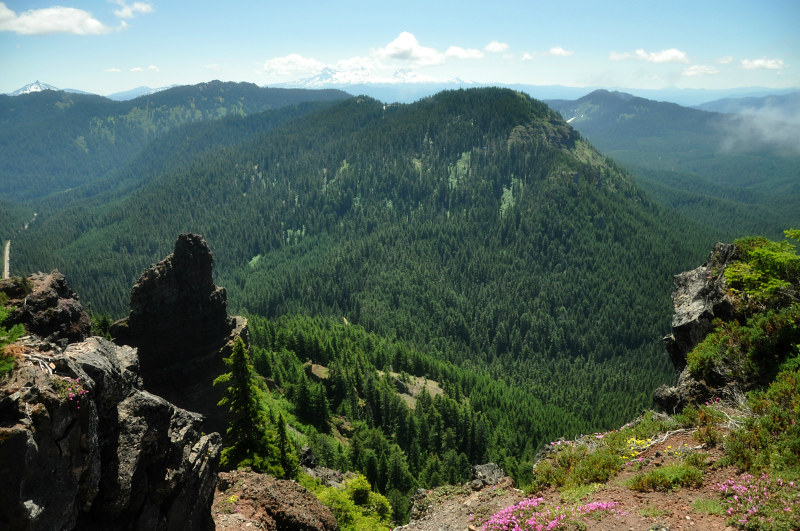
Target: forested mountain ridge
(55, 140)
(735, 173)
(474, 226)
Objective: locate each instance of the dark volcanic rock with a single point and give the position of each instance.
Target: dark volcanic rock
(51, 310)
(179, 323)
(687, 390)
(175, 306)
(87, 448)
(307, 458)
(245, 499)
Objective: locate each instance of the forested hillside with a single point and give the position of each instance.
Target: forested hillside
(53, 140)
(475, 227)
(736, 174)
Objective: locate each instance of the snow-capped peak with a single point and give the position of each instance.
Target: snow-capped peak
(36, 86)
(329, 77)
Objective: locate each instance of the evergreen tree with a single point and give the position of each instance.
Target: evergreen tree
(287, 458)
(251, 437)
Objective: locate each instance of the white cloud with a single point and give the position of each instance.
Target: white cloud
(728, 59)
(293, 64)
(212, 66)
(496, 47)
(671, 55)
(358, 63)
(397, 59)
(406, 48)
(130, 11)
(527, 56)
(460, 53)
(51, 20)
(113, 70)
(699, 70)
(770, 127)
(763, 64)
(558, 50)
(151, 68)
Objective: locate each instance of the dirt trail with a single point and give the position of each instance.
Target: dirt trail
(6, 258)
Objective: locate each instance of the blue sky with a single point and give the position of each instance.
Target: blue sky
(106, 46)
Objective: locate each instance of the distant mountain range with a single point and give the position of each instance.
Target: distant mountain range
(406, 86)
(38, 86)
(136, 92)
(665, 135)
(784, 107)
(702, 163)
(52, 140)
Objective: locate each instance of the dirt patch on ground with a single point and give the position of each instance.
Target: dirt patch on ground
(641, 511)
(673, 509)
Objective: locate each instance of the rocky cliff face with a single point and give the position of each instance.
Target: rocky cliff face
(50, 310)
(82, 444)
(175, 306)
(180, 326)
(700, 296)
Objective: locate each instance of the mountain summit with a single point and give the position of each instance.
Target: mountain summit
(36, 86)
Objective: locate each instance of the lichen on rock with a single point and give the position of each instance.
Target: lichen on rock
(700, 296)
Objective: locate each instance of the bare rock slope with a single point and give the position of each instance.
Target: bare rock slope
(82, 444)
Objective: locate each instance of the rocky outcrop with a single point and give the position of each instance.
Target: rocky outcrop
(83, 446)
(326, 476)
(488, 474)
(700, 296)
(246, 500)
(459, 508)
(175, 306)
(48, 308)
(180, 326)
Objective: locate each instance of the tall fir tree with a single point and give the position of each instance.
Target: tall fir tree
(287, 456)
(251, 437)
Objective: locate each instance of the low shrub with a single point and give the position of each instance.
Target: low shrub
(666, 478)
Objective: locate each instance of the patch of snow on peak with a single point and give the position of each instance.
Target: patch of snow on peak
(36, 86)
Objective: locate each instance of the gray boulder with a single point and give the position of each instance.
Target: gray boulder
(488, 474)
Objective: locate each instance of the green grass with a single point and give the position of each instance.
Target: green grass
(651, 511)
(706, 506)
(577, 494)
(576, 464)
(7, 336)
(667, 478)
